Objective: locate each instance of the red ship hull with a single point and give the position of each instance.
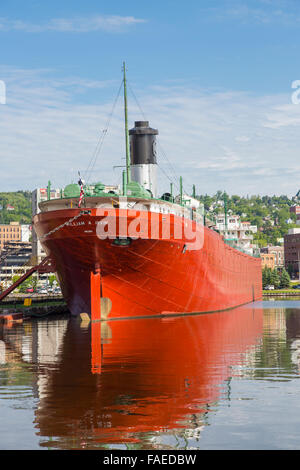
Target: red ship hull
(153, 275)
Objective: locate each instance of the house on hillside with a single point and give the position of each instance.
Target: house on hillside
(239, 232)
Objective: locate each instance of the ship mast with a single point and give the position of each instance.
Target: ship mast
(126, 127)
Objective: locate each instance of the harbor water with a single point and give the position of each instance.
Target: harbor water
(225, 380)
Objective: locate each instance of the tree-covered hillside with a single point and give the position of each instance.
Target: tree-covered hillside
(271, 214)
(21, 203)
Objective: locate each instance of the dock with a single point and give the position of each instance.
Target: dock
(14, 307)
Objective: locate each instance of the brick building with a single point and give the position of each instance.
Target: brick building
(10, 232)
(267, 260)
(278, 252)
(296, 210)
(292, 251)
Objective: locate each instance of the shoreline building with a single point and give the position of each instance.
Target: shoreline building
(14, 232)
(296, 210)
(15, 260)
(267, 260)
(278, 256)
(241, 233)
(9, 232)
(292, 252)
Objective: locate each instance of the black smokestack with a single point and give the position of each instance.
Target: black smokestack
(142, 144)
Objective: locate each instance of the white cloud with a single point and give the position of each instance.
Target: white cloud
(112, 23)
(283, 116)
(242, 138)
(236, 141)
(280, 12)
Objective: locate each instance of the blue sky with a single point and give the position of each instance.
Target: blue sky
(213, 76)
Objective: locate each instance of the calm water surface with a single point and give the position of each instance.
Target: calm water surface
(219, 381)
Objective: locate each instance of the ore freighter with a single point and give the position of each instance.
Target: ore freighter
(128, 252)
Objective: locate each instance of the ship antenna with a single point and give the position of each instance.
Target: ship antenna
(126, 127)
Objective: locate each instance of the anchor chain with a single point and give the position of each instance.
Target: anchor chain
(68, 222)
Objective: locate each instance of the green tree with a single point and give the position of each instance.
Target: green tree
(266, 276)
(31, 281)
(284, 279)
(34, 282)
(21, 201)
(275, 278)
(25, 284)
(15, 278)
(51, 279)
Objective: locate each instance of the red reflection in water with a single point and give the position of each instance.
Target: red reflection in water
(143, 375)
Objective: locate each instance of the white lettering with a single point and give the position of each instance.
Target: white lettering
(106, 228)
(170, 459)
(295, 95)
(113, 460)
(2, 92)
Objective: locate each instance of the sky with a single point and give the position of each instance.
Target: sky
(219, 79)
